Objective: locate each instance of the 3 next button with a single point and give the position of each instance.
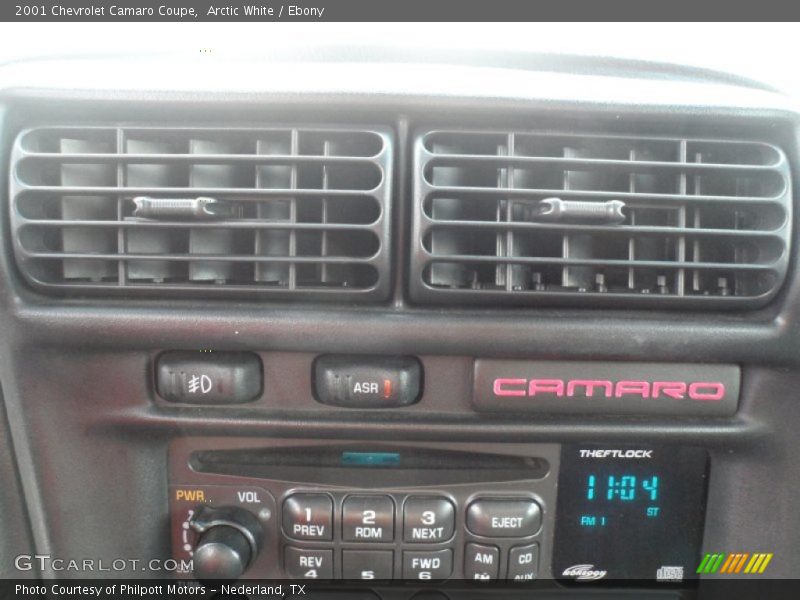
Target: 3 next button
(428, 519)
(518, 517)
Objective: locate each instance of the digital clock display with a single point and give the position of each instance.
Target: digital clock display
(633, 513)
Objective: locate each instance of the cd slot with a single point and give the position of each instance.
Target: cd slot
(369, 466)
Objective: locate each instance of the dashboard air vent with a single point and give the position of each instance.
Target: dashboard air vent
(598, 220)
(271, 212)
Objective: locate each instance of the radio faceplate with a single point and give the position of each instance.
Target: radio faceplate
(450, 514)
(421, 511)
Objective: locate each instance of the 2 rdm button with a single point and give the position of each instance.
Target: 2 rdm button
(428, 519)
(504, 518)
(308, 517)
(368, 519)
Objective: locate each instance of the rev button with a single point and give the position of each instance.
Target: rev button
(308, 563)
(504, 518)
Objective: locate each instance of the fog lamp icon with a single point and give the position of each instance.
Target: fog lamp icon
(199, 383)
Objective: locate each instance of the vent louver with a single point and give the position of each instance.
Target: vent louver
(307, 210)
(592, 220)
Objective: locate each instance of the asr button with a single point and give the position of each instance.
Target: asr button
(367, 382)
(504, 518)
(209, 378)
(308, 517)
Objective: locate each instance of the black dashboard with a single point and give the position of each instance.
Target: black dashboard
(531, 323)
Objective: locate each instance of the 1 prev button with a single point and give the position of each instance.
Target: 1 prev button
(308, 517)
(504, 517)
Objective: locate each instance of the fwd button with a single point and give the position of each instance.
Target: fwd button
(434, 565)
(504, 518)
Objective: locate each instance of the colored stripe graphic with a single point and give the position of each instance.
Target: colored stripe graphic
(758, 562)
(734, 563)
(728, 562)
(711, 563)
(716, 564)
(753, 562)
(704, 564)
(767, 558)
(740, 564)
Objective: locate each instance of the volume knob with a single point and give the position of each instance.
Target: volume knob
(229, 541)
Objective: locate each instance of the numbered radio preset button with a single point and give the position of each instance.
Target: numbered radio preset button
(428, 519)
(368, 519)
(308, 563)
(427, 565)
(308, 517)
(367, 564)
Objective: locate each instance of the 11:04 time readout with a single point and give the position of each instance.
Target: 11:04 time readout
(625, 488)
(620, 490)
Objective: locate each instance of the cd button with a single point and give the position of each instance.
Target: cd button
(523, 563)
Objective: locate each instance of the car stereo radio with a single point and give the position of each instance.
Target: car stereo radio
(322, 510)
